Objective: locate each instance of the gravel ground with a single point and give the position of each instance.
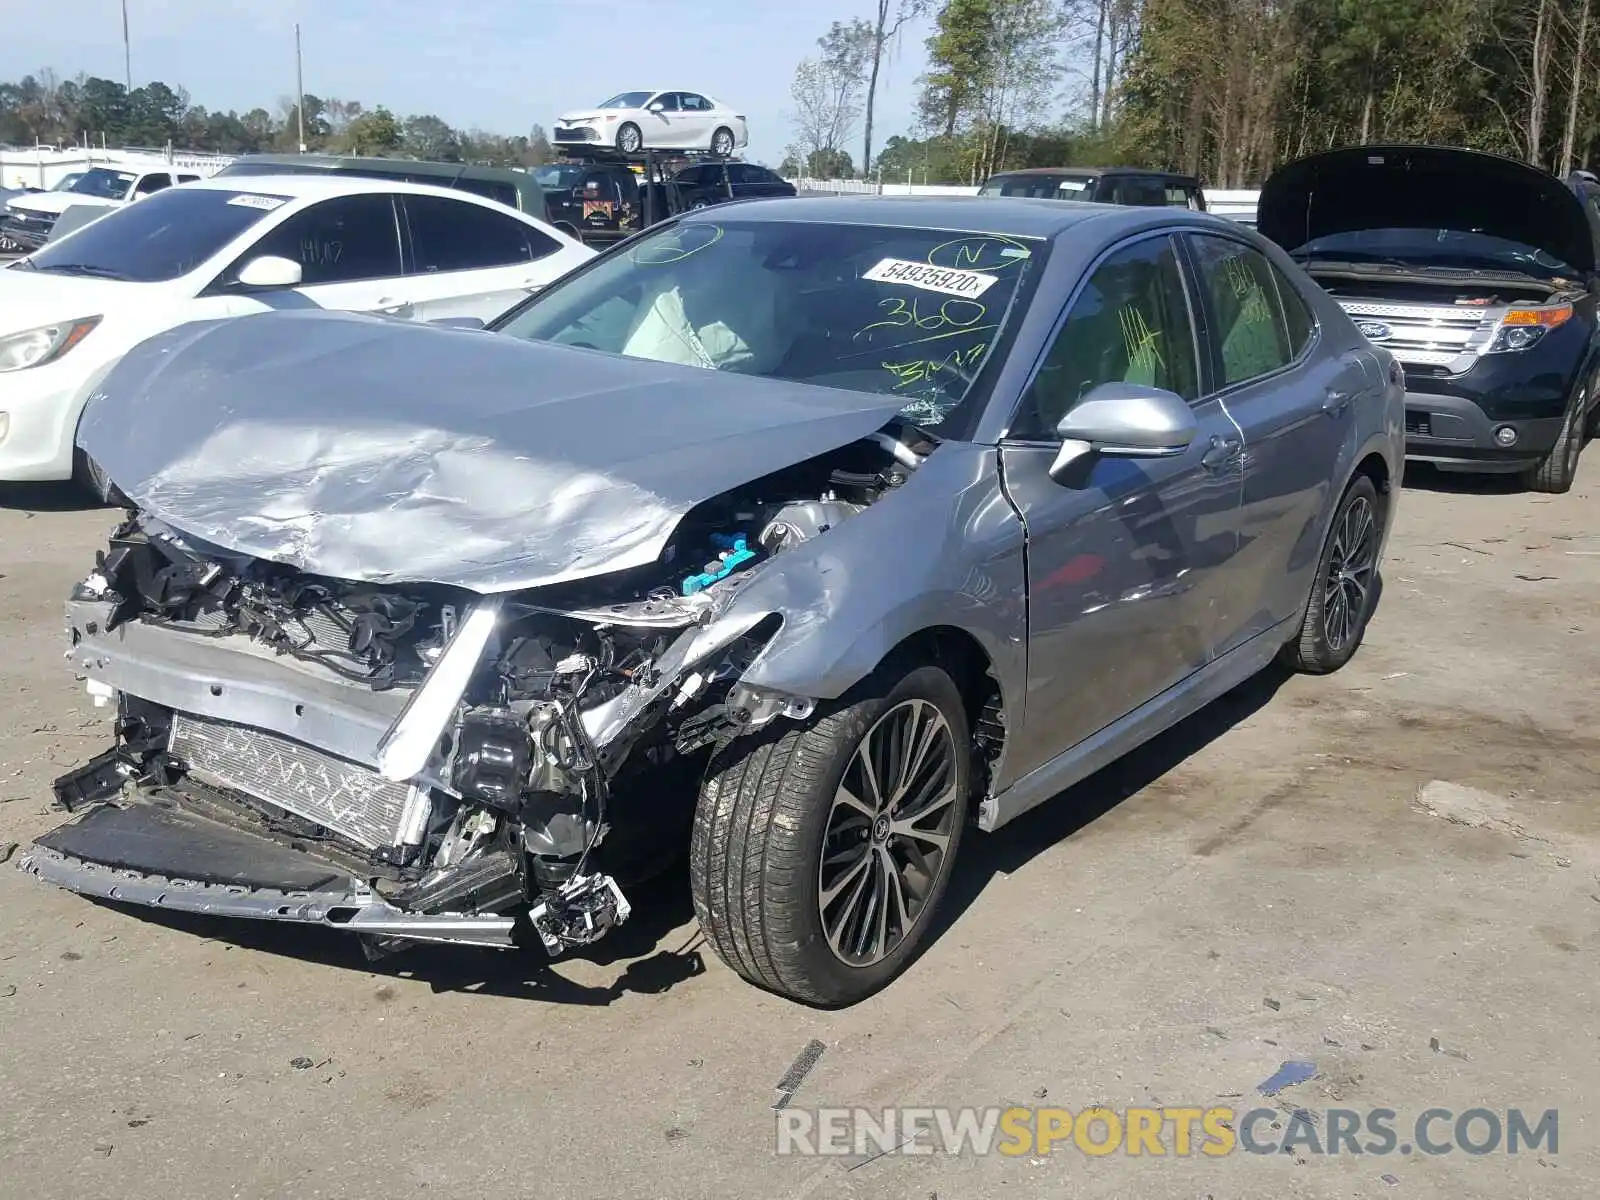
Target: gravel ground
(1284, 878)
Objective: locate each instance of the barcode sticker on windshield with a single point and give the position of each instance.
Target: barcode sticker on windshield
(265, 203)
(966, 284)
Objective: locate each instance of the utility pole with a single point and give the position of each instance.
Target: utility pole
(300, 87)
(127, 52)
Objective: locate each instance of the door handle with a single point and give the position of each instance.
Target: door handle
(1223, 452)
(1336, 401)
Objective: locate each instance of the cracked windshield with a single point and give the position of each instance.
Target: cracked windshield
(904, 312)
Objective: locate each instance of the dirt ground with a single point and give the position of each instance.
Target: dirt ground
(1261, 886)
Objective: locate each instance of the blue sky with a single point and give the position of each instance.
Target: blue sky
(498, 64)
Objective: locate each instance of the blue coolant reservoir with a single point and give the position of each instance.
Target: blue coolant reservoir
(733, 552)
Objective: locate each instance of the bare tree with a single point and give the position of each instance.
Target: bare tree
(826, 92)
(1575, 89)
(890, 18)
(1539, 80)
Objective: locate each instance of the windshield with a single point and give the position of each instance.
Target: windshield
(626, 100)
(162, 237)
(103, 183)
(65, 183)
(558, 175)
(1043, 187)
(1432, 248)
(897, 311)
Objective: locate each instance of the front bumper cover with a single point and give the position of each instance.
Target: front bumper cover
(161, 856)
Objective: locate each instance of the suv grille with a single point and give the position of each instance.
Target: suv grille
(1426, 335)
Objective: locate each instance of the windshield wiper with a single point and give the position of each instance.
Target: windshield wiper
(82, 269)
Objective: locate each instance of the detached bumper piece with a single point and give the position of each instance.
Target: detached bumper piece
(156, 853)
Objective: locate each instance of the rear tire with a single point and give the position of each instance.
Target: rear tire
(629, 139)
(792, 810)
(722, 142)
(1556, 471)
(1345, 588)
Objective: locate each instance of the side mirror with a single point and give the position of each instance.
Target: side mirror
(1125, 420)
(270, 271)
(656, 106)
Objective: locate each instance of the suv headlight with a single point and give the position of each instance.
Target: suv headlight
(35, 347)
(1524, 327)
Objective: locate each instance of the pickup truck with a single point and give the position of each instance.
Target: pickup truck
(29, 218)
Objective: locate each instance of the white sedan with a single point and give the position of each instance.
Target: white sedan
(655, 120)
(231, 246)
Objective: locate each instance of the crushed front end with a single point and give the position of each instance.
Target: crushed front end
(415, 761)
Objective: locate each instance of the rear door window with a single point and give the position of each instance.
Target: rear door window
(453, 235)
(1141, 192)
(1248, 326)
(488, 189)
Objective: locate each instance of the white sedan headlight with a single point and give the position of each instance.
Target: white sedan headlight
(34, 347)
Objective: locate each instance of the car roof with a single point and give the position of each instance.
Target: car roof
(1012, 216)
(374, 162)
(1094, 171)
(302, 186)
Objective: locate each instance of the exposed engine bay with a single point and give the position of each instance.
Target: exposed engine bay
(1458, 289)
(421, 762)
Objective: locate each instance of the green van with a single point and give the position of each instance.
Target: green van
(518, 189)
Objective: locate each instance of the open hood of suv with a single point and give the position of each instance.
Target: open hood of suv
(1426, 187)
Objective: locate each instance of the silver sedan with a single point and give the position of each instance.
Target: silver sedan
(800, 535)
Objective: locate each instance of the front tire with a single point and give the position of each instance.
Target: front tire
(722, 143)
(629, 139)
(1345, 588)
(1556, 471)
(821, 851)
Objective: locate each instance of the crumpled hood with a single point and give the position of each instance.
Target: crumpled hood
(1425, 187)
(360, 448)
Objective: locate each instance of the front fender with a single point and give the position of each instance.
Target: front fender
(944, 549)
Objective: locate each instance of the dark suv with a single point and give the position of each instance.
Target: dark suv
(1100, 185)
(710, 183)
(599, 201)
(1478, 273)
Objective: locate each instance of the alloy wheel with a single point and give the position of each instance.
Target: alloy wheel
(885, 846)
(1351, 562)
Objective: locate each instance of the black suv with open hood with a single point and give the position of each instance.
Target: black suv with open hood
(1478, 273)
